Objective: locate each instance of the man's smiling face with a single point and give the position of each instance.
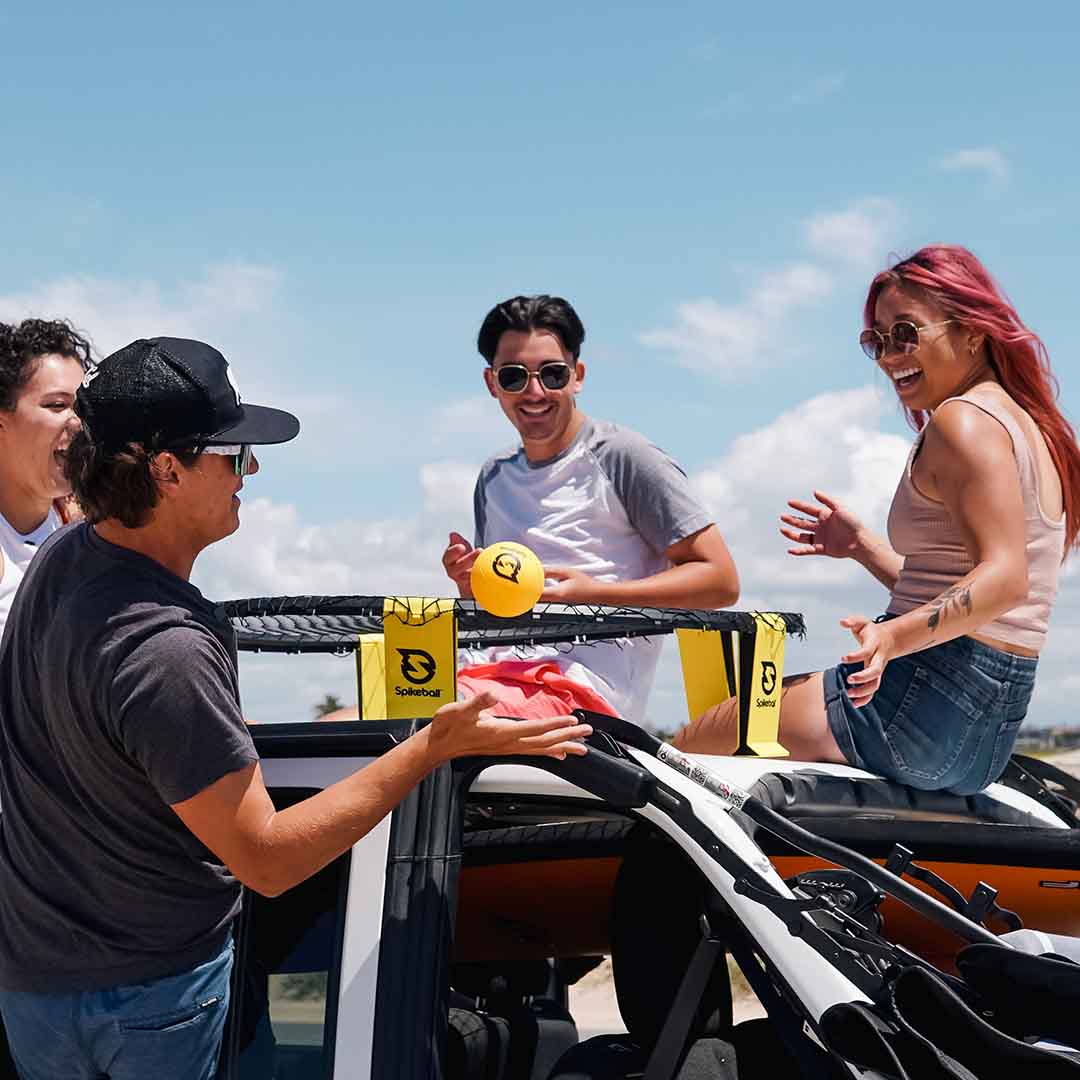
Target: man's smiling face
(545, 419)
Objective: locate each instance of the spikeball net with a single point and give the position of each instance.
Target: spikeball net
(334, 624)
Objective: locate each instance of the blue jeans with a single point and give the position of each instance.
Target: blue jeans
(167, 1029)
(944, 719)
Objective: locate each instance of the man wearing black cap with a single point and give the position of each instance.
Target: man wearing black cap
(133, 800)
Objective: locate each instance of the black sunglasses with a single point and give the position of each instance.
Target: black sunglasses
(553, 375)
(240, 453)
(903, 334)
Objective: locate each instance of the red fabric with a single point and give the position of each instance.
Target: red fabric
(530, 690)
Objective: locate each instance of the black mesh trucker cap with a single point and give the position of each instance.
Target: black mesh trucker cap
(173, 393)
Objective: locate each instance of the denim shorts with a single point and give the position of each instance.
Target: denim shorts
(944, 719)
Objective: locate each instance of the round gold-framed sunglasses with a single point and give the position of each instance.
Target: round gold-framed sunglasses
(903, 336)
(553, 375)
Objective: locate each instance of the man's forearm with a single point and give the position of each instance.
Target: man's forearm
(688, 585)
(297, 842)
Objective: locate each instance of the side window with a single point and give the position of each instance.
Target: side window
(283, 1019)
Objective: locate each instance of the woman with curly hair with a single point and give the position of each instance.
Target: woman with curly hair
(986, 509)
(41, 365)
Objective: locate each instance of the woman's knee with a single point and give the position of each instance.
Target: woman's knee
(715, 731)
(804, 723)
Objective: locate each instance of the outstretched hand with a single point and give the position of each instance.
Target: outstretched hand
(826, 529)
(457, 560)
(876, 649)
(465, 728)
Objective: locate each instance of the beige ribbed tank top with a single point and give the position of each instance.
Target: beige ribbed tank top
(935, 556)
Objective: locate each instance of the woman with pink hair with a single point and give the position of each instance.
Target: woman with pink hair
(986, 509)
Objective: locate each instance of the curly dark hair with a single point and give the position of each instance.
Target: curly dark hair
(526, 313)
(115, 483)
(21, 345)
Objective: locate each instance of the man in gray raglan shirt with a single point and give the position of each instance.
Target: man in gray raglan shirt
(133, 800)
(611, 516)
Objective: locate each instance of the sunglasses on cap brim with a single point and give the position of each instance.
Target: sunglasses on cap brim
(553, 375)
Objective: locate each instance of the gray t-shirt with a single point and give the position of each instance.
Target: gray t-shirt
(611, 504)
(118, 698)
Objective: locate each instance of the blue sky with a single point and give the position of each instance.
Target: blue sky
(335, 194)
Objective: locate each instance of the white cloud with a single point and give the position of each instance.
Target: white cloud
(276, 688)
(464, 415)
(235, 287)
(471, 424)
(114, 311)
(988, 160)
(448, 487)
(730, 339)
(832, 442)
(244, 309)
(277, 553)
(240, 307)
(860, 235)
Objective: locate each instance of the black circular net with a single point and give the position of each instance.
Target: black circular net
(332, 624)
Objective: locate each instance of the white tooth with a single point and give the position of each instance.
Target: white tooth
(898, 375)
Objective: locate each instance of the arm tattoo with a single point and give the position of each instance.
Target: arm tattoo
(952, 600)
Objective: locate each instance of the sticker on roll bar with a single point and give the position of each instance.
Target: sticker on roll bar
(734, 797)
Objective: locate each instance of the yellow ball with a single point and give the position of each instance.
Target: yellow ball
(507, 579)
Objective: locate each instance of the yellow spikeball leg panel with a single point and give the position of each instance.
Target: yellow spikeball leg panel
(704, 672)
(420, 640)
(371, 676)
(763, 728)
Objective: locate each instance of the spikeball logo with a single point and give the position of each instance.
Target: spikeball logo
(417, 666)
(768, 676)
(507, 565)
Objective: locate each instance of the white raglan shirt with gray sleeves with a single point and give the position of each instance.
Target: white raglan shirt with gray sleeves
(611, 505)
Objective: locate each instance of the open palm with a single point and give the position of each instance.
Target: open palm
(823, 529)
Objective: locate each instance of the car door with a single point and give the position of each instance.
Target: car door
(345, 975)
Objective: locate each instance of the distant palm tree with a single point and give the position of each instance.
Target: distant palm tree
(330, 703)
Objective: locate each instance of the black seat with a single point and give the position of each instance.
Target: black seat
(507, 1020)
(477, 1043)
(655, 933)
(1028, 994)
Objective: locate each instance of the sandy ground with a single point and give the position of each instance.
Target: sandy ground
(593, 1005)
(1069, 761)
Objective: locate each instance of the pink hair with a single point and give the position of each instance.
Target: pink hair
(960, 285)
